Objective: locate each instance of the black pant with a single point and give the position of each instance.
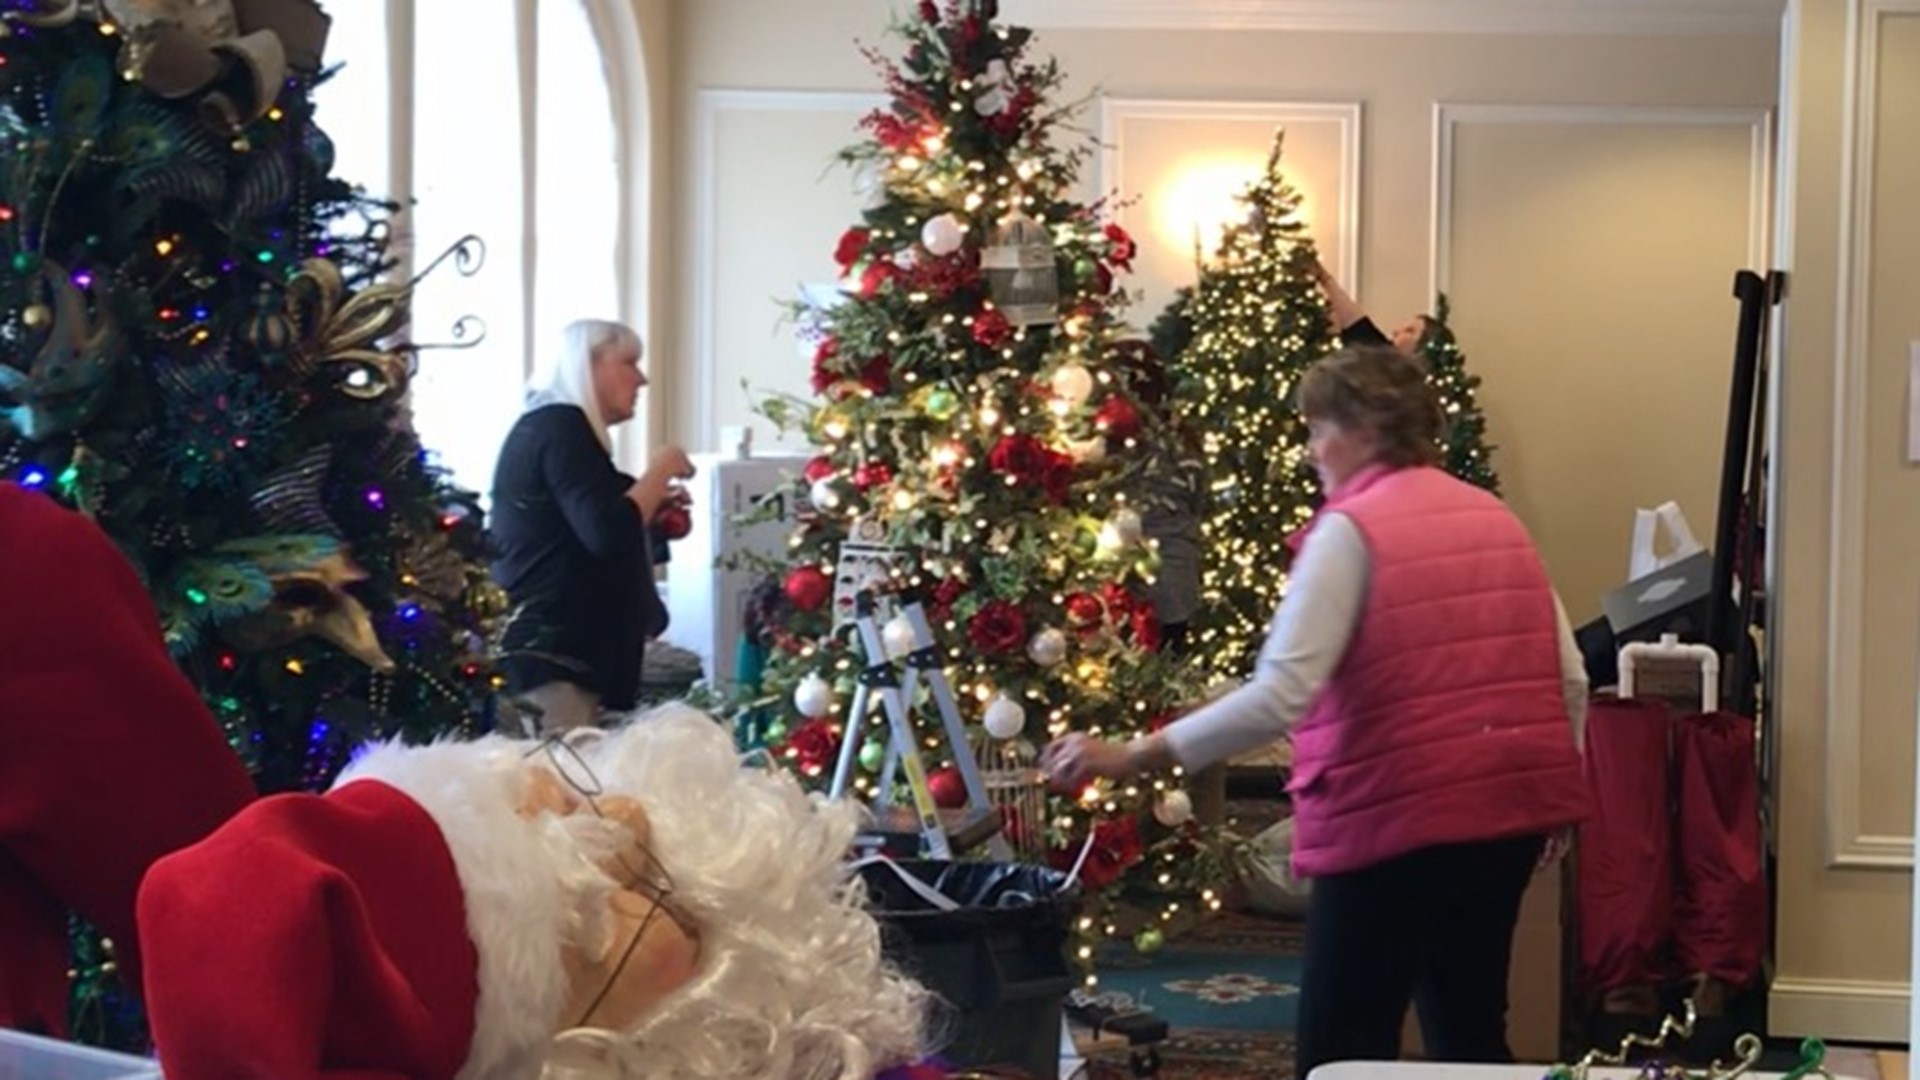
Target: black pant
(1434, 927)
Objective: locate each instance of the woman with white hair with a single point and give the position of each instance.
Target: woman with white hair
(572, 545)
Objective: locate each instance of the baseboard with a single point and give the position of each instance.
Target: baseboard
(1837, 1010)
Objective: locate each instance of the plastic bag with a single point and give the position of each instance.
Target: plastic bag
(1266, 872)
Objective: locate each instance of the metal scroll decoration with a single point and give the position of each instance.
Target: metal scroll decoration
(1748, 1047)
(346, 336)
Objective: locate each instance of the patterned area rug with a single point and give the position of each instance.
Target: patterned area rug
(1228, 991)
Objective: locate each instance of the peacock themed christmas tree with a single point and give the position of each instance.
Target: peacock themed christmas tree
(197, 351)
(1252, 325)
(979, 446)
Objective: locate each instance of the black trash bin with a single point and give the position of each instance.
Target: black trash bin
(1000, 959)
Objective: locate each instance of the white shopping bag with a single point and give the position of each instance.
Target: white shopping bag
(1642, 559)
(1266, 873)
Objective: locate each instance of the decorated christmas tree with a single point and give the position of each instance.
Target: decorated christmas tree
(979, 447)
(197, 351)
(1252, 325)
(1468, 454)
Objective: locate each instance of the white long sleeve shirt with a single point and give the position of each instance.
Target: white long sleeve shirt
(1326, 592)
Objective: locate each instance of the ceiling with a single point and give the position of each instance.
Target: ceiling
(1410, 16)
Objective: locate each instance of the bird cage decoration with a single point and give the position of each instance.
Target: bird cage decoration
(1010, 771)
(1021, 273)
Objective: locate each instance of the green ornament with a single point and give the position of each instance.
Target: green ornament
(776, 733)
(942, 403)
(873, 755)
(1084, 268)
(26, 262)
(1149, 941)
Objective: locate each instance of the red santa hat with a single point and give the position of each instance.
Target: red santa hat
(111, 758)
(408, 924)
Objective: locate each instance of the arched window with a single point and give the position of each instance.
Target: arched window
(501, 119)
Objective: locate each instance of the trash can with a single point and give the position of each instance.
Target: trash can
(991, 939)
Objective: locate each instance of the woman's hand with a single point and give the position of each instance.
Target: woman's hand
(1072, 761)
(655, 488)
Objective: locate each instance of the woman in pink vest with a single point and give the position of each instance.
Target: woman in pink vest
(1424, 670)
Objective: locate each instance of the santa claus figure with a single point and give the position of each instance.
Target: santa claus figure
(625, 904)
(94, 719)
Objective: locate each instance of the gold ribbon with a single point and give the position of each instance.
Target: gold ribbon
(338, 328)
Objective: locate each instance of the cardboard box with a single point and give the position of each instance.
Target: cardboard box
(1534, 978)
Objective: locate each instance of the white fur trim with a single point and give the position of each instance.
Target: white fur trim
(519, 909)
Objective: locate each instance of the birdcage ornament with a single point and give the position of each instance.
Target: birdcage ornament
(1010, 771)
(1021, 274)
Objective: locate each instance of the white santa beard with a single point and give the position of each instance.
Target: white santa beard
(791, 984)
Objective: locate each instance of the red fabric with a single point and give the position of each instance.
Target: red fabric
(1625, 856)
(312, 936)
(1445, 721)
(1720, 906)
(111, 760)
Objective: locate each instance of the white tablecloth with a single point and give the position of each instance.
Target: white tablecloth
(1422, 1070)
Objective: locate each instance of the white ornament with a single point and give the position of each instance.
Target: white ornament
(1127, 523)
(1048, 647)
(1005, 719)
(813, 697)
(943, 235)
(1072, 383)
(824, 493)
(992, 103)
(897, 636)
(1174, 809)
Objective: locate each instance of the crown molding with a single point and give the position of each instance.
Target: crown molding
(1408, 16)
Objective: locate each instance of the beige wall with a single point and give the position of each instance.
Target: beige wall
(1611, 306)
(1848, 590)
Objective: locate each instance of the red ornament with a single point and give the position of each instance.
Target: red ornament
(998, 627)
(823, 374)
(1118, 418)
(853, 243)
(1116, 848)
(818, 469)
(813, 746)
(991, 329)
(872, 475)
(808, 587)
(949, 791)
(1085, 611)
(929, 12)
(1146, 628)
(674, 522)
(1120, 247)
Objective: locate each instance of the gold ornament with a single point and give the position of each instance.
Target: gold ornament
(37, 316)
(312, 600)
(338, 328)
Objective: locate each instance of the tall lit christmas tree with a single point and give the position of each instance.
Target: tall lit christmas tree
(975, 416)
(1257, 320)
(1252, 325)
(196, 351)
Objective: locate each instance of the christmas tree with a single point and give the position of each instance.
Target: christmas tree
(197, 351)
(978, 433)
(1247, 331)
(1468, 455)
(1256, 320)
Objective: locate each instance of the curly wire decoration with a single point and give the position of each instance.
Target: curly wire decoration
(1747, 1047)
(467, 332)
(469, 254)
